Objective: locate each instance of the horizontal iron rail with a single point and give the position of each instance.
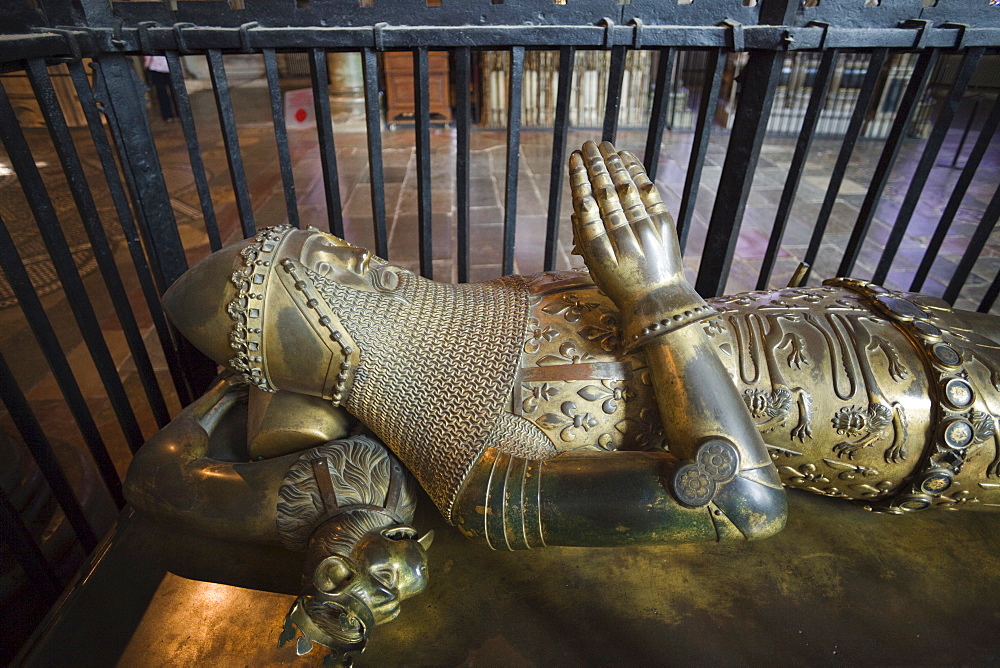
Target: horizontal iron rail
(188, 38)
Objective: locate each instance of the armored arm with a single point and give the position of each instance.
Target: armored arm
(627, 237)
(721, 483)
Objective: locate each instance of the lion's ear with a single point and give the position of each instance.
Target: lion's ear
(426, 540)
(334, 574)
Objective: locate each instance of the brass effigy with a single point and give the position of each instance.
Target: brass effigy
(615, 407)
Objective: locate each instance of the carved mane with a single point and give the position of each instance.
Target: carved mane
(360, 471)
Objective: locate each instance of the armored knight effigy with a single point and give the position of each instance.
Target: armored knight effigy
(608, 407)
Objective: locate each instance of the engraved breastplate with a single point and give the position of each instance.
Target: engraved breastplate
(850, 386)
(859, 393)
(573, 382)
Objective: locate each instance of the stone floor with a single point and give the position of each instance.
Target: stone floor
(487, 173)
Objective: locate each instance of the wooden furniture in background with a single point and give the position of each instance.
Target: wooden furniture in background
(400, 88)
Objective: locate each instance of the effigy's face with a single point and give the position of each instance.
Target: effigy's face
(349, 265)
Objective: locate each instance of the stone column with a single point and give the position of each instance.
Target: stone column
(347, 90)
(346, 76)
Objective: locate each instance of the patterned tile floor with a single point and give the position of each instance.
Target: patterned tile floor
(487, 172)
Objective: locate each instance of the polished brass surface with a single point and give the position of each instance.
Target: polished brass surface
(347, 503)
(608, 408)
(837, 587)
(280, 423)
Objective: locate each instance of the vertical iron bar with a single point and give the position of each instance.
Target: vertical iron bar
(759, 79)
(19, 540)
(922, 69)
(699, 145)
(38, 444)
(422, 116)
(821, 85)
(190, 369)
(868, 86)
(957, 195)
(979, 238)
(968, 126)
(376, 173)
(281, 136)
(126, 109)
(658, 113)
(324, 130)
(41, 327)
(132, 241)
(76, 179)
(616, 75)
(227, 123)
(463, 124)
(44, 212)
(927, 159)
(514, 86)
(682, 58)
(567, 56)
(194, 152)
(991, 295)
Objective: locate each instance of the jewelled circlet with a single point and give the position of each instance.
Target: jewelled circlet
(247, 309)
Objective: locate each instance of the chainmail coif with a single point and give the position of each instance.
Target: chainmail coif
(436, 369)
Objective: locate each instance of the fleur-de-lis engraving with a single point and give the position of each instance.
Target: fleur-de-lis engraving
(569, 307)
(568, 354)
(647, 431)
(714, 327)
(536, 334)
(612, 392)
(570, 421)
(542, 392)
(605, 333)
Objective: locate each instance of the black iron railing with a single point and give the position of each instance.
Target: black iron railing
(36, 33)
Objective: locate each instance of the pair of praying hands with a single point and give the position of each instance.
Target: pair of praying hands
(625, 234)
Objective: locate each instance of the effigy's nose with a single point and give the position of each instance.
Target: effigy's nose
(197, 303)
